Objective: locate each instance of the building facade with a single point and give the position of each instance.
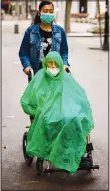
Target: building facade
(78, 6)
(23, 7)
(87, 6)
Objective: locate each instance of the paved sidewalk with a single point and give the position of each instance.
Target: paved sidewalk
(77, 29)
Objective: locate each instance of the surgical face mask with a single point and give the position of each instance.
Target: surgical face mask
(47, 18)
(54, 71)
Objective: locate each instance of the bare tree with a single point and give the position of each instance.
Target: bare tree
(68, 15)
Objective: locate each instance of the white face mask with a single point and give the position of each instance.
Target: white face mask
(54, 71)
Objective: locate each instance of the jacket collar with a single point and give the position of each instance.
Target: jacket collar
(36, 29)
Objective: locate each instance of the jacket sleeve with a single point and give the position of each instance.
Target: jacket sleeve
(27, 100)
(64, 48)
(24, 50)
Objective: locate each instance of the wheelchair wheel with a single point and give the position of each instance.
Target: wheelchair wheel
(39, 166)
(27, 158)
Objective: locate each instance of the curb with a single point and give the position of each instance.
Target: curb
(77, 34)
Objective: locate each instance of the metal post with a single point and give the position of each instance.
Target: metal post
(106, 31)
(16, 29)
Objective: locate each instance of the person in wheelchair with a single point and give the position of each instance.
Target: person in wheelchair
(62, 115)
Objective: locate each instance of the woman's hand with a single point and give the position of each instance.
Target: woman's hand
(27, 70)
(67, 69)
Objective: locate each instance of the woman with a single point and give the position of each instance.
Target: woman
(42, 37)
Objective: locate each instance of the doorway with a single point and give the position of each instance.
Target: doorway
(83, 6)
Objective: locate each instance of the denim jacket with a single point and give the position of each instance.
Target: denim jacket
(29, 52)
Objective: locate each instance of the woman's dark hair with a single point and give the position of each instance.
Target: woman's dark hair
(37, 17)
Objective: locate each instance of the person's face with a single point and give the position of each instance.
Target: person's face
(47, 9)
(51, 64)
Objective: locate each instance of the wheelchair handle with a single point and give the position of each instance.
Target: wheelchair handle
(31, 74)
(68, 71)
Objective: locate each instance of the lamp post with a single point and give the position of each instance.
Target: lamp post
(106, 31)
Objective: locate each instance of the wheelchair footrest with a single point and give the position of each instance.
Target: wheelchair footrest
(89, 167)
(95, 167)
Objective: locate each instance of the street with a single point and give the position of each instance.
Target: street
(90, 69)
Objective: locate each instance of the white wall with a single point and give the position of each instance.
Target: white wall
(102, 6)
(61, 13)
(91, 9)
(75, 7)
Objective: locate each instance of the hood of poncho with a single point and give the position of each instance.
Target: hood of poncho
(55, 56)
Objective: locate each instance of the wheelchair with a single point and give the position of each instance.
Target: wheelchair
(85, 164)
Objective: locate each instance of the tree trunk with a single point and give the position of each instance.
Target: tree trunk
(67, 15)
(99, 20)
(106, 30)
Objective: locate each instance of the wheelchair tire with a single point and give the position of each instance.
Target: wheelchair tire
(39, 166)
(27, 158)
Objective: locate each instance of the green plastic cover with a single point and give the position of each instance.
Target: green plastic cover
(62, 117)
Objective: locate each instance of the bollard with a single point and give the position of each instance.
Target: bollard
(16, 29)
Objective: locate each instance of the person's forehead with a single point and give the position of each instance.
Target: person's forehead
(48, 7)
(50, 60)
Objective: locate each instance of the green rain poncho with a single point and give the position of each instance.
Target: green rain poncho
(62, 117)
